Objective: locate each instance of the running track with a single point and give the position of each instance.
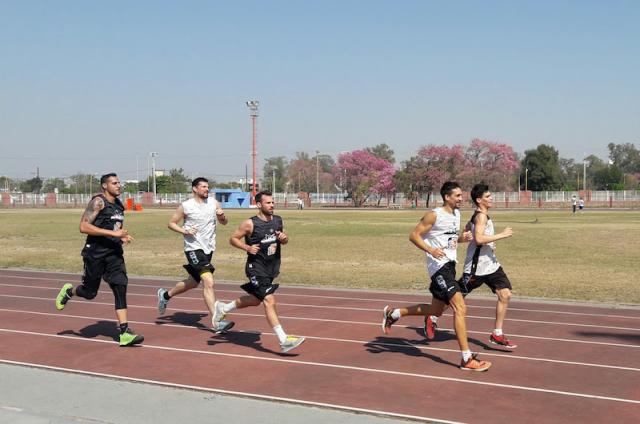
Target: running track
(573, 364)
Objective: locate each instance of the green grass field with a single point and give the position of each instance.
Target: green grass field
(553, 254)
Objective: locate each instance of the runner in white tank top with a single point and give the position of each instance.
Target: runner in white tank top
(437, 235)
(485, 261)
(443, 235)
(200, 215)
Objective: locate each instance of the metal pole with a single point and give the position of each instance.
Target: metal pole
(274, 180)
(253, 154)
(253, 111)
(317, 173)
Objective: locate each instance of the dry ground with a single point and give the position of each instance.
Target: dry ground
(553, 254)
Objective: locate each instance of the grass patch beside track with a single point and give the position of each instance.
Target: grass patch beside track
(553, 254)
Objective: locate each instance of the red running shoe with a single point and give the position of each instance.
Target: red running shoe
(430, 328)
(473, 364)
(502, 341)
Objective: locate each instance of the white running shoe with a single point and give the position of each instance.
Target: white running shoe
(222, 327)
(218, 314)
(162, 302)
(291, 342)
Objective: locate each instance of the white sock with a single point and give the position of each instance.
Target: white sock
(396, 314)
(228, 307)
(466, 354)
(282, 336)
(434, 318)
(498, 332)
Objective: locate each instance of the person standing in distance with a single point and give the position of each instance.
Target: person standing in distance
(103, 255)
(199, 216)
(262, 237)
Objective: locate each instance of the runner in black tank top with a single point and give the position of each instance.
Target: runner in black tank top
(102, 221)
(266, 262)
(262, 237)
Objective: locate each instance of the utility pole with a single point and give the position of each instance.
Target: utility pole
(153, 173)
(253, 112)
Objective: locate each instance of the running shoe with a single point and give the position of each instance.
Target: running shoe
(222, 327)
(291, 342)
(63, 298)
(474, 364)
(162, 302)
(502, 341)
(218, 313)
(430, 327)
(387, 319)
(129, 339)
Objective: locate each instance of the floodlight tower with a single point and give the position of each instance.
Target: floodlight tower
(253, 112)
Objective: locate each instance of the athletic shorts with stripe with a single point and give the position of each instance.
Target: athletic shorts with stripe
(497, 280)
(198, 263)
(443, 283)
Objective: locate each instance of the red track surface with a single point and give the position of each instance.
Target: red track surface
(573, 363)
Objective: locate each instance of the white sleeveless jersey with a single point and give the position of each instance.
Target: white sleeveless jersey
(202, 217)
(444, 235)
(485, 258)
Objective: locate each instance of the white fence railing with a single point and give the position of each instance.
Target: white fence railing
(626, 198)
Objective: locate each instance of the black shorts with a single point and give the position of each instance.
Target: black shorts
(260, 287)
(443, 283)
(198, 263)
(110, 267)
(497, 280)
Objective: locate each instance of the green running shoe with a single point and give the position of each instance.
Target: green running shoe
(62, 298)
(129, 339)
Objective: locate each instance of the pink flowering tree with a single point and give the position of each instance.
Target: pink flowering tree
(432, 166)
(362, 174)
(495, 164)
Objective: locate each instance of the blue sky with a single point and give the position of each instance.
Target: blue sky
(90, 86)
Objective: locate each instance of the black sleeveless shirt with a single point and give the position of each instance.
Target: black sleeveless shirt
(265, 263)
(111, 217)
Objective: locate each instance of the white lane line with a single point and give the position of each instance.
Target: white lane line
(401, 343)
(389, 301)
(233, 393)
(604, 327)
(343, 367)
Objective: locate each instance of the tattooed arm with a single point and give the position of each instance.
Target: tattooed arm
(89, 216)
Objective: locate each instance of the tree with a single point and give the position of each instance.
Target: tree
(382, 151)
(302, 173)
(279, 165)
(52, 184)
(34, 185)
(625, 156)
(570, 173)
(7, 184)
(363, 174)
(543, 165)
(489, 162)
(432, 166)
(608, 178)
(84, 183)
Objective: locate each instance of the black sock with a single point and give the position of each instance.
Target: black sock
(166, 295)
(124, 327)
(69, 292)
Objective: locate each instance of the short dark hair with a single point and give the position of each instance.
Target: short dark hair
(199, 180)
(478, 190)
(448, 187)
(105, 177)
(259, 195)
